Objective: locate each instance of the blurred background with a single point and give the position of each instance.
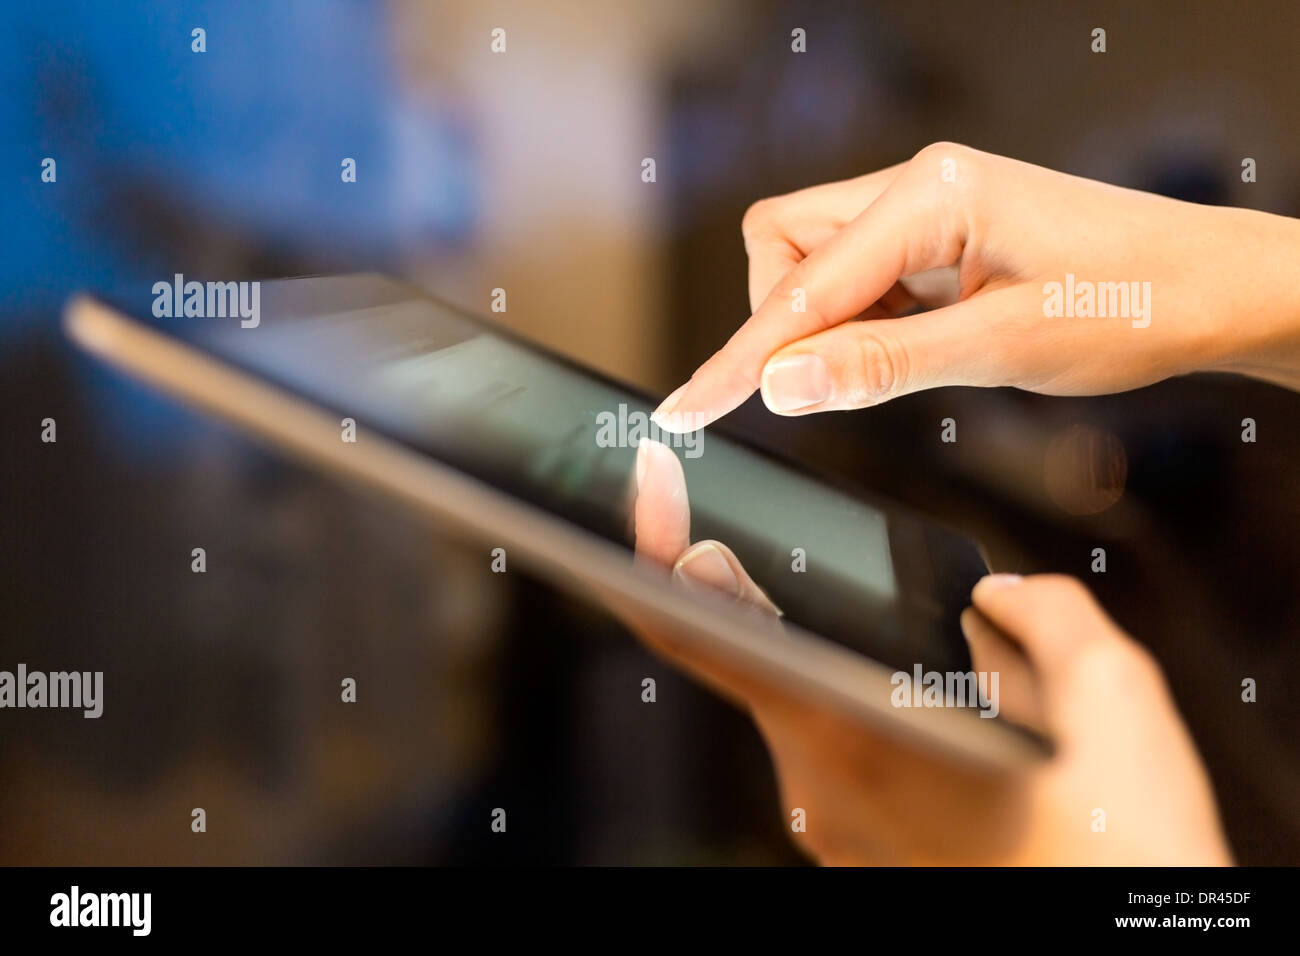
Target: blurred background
(522, 170)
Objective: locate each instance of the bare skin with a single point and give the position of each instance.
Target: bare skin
(1066, 669)
(836, 272)
(847, 251)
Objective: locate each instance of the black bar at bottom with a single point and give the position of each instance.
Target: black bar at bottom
(302, 905)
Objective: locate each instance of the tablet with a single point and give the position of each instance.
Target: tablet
(534, 457)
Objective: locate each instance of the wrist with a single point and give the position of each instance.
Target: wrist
(1258, 334)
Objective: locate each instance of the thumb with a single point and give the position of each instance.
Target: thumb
(1096, 680)
(712, 566)
(871, 361)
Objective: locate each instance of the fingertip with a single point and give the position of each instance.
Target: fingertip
(682, 422)
(992, 584)
(657, 468)
(661, 516)
(663, 415)
(1050, 616)
(678, 414)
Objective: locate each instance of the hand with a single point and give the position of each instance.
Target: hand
(1065, 668)
(1221, 295)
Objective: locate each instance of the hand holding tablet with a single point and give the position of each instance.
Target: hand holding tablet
(1124, 759)
(1056, 285)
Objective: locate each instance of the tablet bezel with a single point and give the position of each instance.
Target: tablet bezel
(570, 557)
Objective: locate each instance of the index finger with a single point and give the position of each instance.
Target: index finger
(912, 226)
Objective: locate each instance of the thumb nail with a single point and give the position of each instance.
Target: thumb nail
(794, 382)
(706, 567)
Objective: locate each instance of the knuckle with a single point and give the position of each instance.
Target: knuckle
(949, 173)
(1138, 664)
(942, 150)
(881, 367)
(759, 218)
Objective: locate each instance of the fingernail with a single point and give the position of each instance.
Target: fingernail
(706, 568)
(795, 382)
(662, 416)
(995, 581)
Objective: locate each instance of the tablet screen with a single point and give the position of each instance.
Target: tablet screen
(873, 577)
